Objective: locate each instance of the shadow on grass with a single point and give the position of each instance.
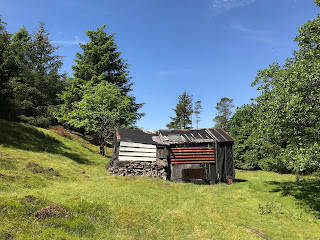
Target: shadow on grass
(307, 191)
(29, 138)
(240, 180)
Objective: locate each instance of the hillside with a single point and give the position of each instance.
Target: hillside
(53, 187)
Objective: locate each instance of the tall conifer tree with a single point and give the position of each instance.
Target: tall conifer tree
(99, 65)
(224, 113)
(38, 81)
(197, 111)
(32, 78)
(5, 39)
(183, 111)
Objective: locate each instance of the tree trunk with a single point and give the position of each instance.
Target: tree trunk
(102, 152)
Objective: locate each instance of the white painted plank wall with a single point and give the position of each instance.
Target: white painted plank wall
(129, 149)
(132, 158)
(130, 144)
(137, 152)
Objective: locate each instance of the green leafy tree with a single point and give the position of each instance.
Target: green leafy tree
(285, 127)
(241, 126)
(183, 111)
(197, 111)
(102, 108)
(224, 113)
(99, 64)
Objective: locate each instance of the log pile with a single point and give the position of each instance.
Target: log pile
(137, 168)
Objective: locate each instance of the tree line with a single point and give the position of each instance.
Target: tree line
(33, 89)
(185, 108)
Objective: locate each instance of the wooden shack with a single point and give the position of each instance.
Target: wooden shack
(200, 156)
(135, 152)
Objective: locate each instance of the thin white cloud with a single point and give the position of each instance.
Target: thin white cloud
(238, 26)
(258, 35)
(76, 41)
(229, 4)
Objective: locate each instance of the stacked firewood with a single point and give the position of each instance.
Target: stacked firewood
(138, 168)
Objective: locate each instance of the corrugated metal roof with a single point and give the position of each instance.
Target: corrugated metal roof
(195, 135)
(135, 135)
(222, 135)
(167, 136)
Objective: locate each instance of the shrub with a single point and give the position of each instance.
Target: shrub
(60, 130)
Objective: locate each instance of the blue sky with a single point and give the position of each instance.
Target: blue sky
(210, 48)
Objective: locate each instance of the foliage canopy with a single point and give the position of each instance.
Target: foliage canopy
(279, 131)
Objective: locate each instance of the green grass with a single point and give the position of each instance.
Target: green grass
(39, 168)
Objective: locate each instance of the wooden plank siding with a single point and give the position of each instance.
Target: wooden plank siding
(137, 152)
(140, 149)
(137, 145)
(132, 158)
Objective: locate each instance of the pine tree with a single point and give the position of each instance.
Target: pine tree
(197, 111)
(99, 65)
(101, 61)
(183, 111)
(5, 39)
(224, 113)
(37, 79)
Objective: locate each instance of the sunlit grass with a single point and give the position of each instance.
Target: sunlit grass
(97, 206)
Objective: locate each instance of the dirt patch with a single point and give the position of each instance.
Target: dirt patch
(258, 233)
(54, 210)
(34, 167)
(6, 236)
(7, 163)
(30, 198)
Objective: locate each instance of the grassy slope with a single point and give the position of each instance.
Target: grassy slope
(97, 206)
